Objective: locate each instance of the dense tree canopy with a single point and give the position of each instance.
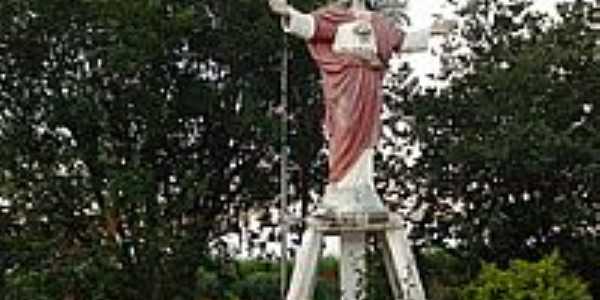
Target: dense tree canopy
(510, 165)
(133, 133)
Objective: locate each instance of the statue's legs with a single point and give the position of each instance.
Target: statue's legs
(353, 199)
(355, 193)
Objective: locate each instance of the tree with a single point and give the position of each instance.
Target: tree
(134, 133)
(509, 165)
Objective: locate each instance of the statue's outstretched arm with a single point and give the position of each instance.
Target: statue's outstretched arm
(280, 7)
(293, 21)
(416, 41)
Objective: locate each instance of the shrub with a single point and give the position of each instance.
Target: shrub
(259, 286)
(544, 280)
(260, 280)
(443, 274)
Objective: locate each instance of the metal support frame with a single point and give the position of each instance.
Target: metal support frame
(283, 213)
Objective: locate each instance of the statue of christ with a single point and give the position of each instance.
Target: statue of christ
(352, 47)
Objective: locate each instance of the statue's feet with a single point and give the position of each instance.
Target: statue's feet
(351, 203)
(324, 212)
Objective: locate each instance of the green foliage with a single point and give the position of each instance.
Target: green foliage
(328, 282)
(212, 285)
(31, 285)
(257, 279)
(444, 275)
(544, 280)
(133, 134)
(508, 159)
(83, 277)
(259, 285)
(509, 164)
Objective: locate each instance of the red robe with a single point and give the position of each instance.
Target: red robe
(352, 87)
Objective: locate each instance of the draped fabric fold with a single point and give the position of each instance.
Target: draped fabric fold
(352, 86)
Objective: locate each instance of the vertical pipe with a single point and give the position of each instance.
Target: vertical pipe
(283, 218)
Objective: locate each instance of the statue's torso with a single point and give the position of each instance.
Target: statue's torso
(357, 38)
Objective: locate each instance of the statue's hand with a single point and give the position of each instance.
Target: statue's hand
(443, 27)
(280, 7)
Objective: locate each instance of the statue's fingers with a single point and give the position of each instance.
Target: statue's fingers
(274, 4)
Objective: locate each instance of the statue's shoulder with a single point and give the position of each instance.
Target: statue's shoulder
(334, 14)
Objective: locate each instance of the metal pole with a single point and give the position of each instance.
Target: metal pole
(283, 214)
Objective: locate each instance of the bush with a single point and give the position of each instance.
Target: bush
(445, 275)
(89, 278)
(544, 280)
(259, 286)
(260, 280)
(28, 285)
